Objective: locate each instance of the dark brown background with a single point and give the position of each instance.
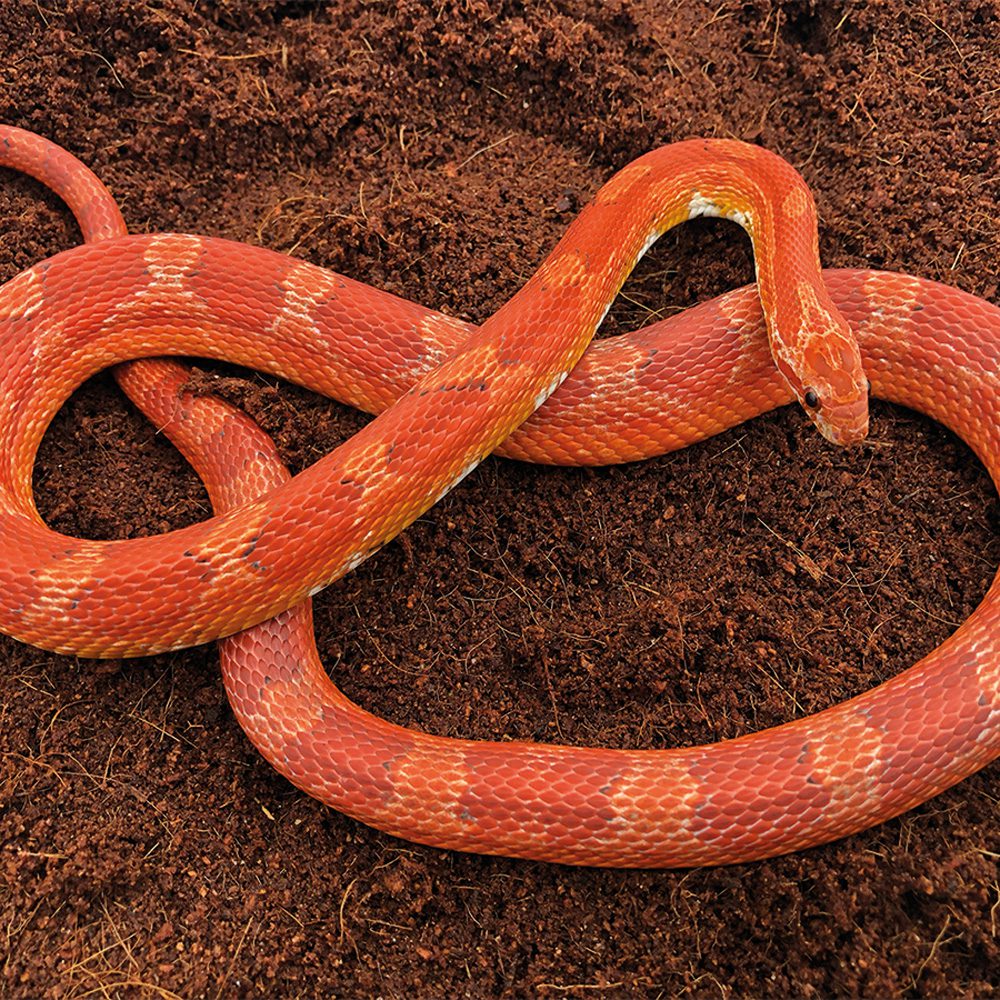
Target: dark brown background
(438, 150)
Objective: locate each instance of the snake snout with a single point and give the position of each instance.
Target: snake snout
(846, 436)
(844, 425)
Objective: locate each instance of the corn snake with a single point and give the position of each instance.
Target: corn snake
(923, 345)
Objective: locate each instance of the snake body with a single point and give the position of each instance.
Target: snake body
(451, 393)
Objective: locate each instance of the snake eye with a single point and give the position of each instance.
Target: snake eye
(811, 399)
(869, 387)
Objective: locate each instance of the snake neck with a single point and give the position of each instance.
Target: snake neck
(811, 343)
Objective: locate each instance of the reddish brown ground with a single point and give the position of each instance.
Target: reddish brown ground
(438, 150)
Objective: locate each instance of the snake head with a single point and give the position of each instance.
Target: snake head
(830, 383)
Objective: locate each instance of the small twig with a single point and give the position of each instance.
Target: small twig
(927, 17)
(933, 951)
(232, 962)
(246, 55)
(486, 149)
(343, 903)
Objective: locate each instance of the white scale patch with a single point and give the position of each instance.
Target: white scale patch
(649, 241)
(355, 561)
(25, 294)
(471, 467)
(168, 268)
(465, 472)
(169, 260)
(603, 317)
(305, 288)
(560, 378)
(699, 207)
(351, 563)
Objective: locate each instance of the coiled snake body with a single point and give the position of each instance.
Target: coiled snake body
(451, 394)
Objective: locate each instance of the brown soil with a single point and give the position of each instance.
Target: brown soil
(438, 150)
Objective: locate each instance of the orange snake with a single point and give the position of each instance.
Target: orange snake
(449, 394)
